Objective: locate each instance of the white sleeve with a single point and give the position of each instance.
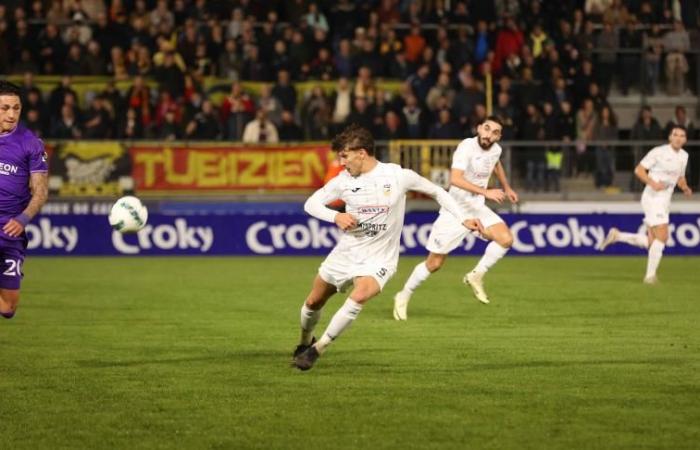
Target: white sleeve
(649, 159)
(415, 182)
(685, 166)
(316, 204)
(460, 158)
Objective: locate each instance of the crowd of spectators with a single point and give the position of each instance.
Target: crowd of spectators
(553, 64)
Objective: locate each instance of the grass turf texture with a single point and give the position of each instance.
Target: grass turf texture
(195, 352)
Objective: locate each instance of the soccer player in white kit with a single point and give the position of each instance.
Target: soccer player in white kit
(367, 254)
(661, 169)
(473, 162)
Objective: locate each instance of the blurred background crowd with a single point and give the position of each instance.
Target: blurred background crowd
(299, 70)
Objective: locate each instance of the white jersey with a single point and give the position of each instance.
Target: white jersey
(377, 200)
(478, 165)
(666, 166)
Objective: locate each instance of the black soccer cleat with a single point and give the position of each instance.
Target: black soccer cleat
(301, 348)
(306, 360)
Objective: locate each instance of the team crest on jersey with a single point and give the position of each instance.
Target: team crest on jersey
(387, 189)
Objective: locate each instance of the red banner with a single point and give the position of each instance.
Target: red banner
(226, 169)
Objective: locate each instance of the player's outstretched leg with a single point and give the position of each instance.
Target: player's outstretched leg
(401, 300)
(610, 238)
(309, 319)
(658, 235)
(321, 291)
(342, 319)
(501, 240)
(420, 273)
(656, 251)
(475, 280)
(614, 235)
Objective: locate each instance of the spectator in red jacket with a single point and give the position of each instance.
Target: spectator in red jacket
(508, 41)
(414, 44)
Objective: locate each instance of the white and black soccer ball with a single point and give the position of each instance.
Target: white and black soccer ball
(128, 215)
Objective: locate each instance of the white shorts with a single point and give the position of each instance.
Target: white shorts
(448, 232)
(655, 212)
(340, 271)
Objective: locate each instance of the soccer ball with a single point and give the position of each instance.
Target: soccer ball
(128, 215)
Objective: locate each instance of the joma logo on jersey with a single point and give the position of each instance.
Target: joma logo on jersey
(6, 169)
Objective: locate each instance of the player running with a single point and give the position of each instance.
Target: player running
(473, 163)
(23, 191)
(661, 170)
(367, 254)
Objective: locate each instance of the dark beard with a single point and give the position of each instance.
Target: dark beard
(482, 146)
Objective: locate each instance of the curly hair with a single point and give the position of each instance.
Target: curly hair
(354, 137)
(494, 118)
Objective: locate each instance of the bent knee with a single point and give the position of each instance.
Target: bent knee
(434, 264)
(506, 241)
(314, 303)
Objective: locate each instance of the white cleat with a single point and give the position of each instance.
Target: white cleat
(475, 281)
(401, 305)
(651, 280)
(609, 239)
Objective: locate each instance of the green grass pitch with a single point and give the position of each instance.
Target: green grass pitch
(194, 353)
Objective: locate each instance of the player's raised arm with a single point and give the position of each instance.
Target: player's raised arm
(415, 182)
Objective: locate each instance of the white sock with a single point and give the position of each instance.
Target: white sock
(656, 251)
(309, 319)
(342, 319)
(419, 275)
(493, 253)
(636, 239)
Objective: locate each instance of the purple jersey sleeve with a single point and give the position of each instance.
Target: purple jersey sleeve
(38, 159)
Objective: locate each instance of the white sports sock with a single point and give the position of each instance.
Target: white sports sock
(342, 319)
(656, 251)
(493, 253)
(637, 239)
(419, 275)
(309, 319)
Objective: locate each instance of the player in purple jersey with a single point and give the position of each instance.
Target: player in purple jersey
(23, 191)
